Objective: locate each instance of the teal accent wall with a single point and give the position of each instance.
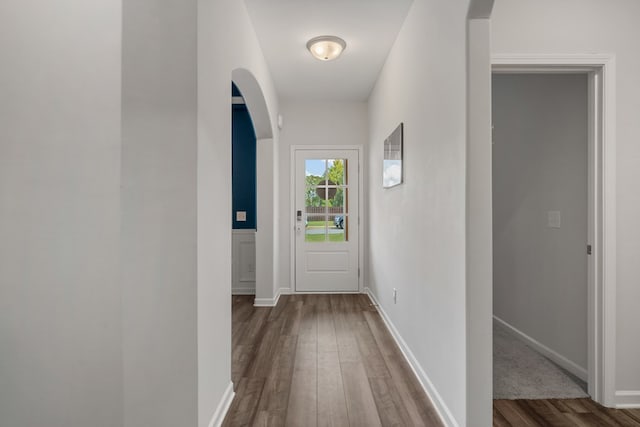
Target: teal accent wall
(243, 165)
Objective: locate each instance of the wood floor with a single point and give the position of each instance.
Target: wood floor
(328, 360)
(561, 412)
(321, 360)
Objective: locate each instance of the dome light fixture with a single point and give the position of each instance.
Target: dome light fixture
(326, 48)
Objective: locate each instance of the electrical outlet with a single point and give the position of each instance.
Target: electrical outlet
(395, 295)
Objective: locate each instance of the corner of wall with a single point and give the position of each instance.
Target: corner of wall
(223, 407)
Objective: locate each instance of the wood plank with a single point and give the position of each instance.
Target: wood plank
(601, 413)
(256, 323)
(241, 358)
(584, 419)
(513, 414)
(366, 304)
(633, 414)
(499, 420)
(539, 419)
(265, 354)
(302, 408)
(332, 404)
(391, 408)
(374, 363)
(291, 322)
(242, 308)
(327, 340)
(549, 413)
(243, 408)
(413, 396)
(361, 405)
(576, 405)
(275, 397)
(280, 308)
(560, 413)
(346, 339)
(411, 392)
(308, 331)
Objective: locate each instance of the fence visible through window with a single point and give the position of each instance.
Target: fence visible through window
(326, 200)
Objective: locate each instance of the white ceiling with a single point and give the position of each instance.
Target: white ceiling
(368, 26)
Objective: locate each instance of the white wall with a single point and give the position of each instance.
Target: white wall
(84, 343)
(478, 211)
(417, 230)
(312, 123)
(540, 144)
(220, 20)
(159, 136)
(176, 202)
(579, 26)
(60, 325)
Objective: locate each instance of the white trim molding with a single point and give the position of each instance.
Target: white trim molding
(556, 357)
(432, 393)
(547, 63)
(601, 69)
(244, 291)
(223, 407)
(271, 302)
(627, 399)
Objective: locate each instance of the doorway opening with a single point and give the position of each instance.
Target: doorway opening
(540, 222)
(553, 232)
(243, 196)
(266, 229)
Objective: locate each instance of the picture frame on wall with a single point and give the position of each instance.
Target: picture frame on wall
(392, 160)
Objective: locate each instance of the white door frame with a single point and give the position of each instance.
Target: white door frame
(602, 203)
(292, 208)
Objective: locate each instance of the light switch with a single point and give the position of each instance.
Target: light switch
(241, 216)
(553, 219)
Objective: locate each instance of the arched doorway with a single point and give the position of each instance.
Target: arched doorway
(265, 250)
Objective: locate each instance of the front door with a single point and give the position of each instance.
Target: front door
(326, 220)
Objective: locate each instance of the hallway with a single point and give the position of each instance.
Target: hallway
(321, 360)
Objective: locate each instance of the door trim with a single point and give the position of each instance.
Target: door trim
(292, 207)
(602, 203)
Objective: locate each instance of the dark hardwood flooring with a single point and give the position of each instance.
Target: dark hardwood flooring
(328, 360)
(321, 360)
(561, 412)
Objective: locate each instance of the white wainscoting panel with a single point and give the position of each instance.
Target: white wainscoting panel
(244, 262)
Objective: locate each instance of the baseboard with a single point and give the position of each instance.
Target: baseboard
(438, 403)
(559, 359)
(223, 407)
(627, 399)
(243, 291)
(271, 302)
(327, 293)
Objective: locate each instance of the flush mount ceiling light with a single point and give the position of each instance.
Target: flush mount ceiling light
(326, 48)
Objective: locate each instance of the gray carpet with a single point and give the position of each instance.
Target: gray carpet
(519, 372)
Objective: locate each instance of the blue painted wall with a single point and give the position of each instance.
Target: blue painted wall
(243, 165)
